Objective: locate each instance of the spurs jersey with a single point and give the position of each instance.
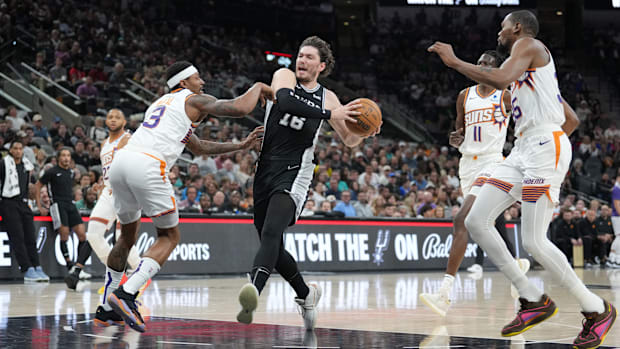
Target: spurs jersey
(166, 128)
(486, 122)
(107, 154)
(536, 98)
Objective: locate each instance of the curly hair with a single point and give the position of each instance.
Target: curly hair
(325, 53)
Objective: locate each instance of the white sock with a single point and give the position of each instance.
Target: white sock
(147, 269)
(112, 279)
(526, 289)
(446, 285)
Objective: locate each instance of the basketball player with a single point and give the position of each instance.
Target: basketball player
(59, 180)
(532, 173)
(139, 172)
(103, 215)
(613, 261)
(285, 169)
(483, 112)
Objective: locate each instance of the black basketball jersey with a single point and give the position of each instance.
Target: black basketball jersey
(292, 136)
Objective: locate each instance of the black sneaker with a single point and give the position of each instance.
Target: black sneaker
(124, 304)
(105, 318)
(72, 280)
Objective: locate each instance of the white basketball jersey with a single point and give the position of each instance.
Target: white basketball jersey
(536, 98)
(486, 122)
(166, 127)
(106, 155)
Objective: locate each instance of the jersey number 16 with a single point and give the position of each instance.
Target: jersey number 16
(292, 121)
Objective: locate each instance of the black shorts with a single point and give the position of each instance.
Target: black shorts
(281, 176)
(69, 215)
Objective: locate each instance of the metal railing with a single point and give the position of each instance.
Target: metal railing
(50, 81)
(142, 88)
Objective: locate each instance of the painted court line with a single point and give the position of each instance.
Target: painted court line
(185, 343)
(98, 336)
(437, 346)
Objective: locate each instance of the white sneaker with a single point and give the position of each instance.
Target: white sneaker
(437, 302)
(84, 275)
(476, 268)
(308, 306)
(248, 298)
(524, 265)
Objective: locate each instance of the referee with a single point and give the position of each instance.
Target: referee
(15, 175)
(59, 180)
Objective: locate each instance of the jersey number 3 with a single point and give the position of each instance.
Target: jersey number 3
(154, 118)
(294, 122)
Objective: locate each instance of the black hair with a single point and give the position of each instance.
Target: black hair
(528, 21)
(174, 69)
(499, 59)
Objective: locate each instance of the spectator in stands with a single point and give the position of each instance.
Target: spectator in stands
(362, 206)
(38, 128)
(219, 203)
(89, 199)
(78, 134)
(58, 72)
(97, 73)
(191, 203)
(205, 164)
(345, 205)
(12, 116)
(226, 171)
(79, 156)
(309, 208)
(604, 235)
(76, 73)
(205, 203)
(98, 132)
(588, 233)
(63, 136)
(5, 131)
(236, 206)
(369, 177)
(117, 78)
(333, 188)
(566, 233)
(87, 89)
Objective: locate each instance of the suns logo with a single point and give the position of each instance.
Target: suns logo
(494, 115)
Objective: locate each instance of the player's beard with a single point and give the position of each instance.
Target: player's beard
(503, 50)
(118, 129)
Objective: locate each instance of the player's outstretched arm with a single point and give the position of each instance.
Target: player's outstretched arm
(238, 107)
(283, 84)
(521, 56)
(572, 121)
(204, 147)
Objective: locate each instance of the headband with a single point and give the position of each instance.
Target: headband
(182, 75)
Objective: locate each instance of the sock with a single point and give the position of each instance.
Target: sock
(300, 287)
(446, 285)
(65, 252)
(147, 269)
(259, 277)
(84, 251)
(112, 279)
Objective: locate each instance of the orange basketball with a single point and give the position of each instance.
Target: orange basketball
(368, 121)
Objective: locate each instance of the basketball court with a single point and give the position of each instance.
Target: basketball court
(356, 311)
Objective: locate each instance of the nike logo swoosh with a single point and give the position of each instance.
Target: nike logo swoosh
(545, 142)
(292, 167)
(58, 174)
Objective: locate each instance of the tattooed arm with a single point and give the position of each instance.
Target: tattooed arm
(203, 147)
(198, 107)
(523, 53)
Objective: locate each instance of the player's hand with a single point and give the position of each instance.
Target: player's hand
(266, 93)
(346, 112)
(456, 138)
(254, 138)
(445, 52)
(377, 131)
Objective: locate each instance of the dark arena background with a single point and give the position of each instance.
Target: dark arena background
(376, 229)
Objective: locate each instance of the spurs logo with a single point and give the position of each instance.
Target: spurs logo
(381, 245)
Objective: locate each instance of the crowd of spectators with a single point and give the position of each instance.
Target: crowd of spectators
(98, 47)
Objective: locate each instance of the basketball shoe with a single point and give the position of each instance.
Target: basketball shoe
(438, 302)
(248, 298)
(596, 327)
(308, 306)
(105, 318)
(530, 315)
(124, 304)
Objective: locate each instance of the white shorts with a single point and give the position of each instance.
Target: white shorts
(104, 211)
(140, 182)
(615, 223)
(475, 170)
(536, 166)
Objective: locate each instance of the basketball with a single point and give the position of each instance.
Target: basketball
(368, 121)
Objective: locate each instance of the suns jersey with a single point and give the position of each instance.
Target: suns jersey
(166, 128)
(536, 98)
(107, 154)
(486, 122)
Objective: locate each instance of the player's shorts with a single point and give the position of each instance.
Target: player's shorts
(139, 181)
(282, 176)
(615, 223)
(536, 166)
(104, 211)
(69, 214)
(475, 170)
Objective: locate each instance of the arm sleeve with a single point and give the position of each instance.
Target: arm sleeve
(292, 103)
